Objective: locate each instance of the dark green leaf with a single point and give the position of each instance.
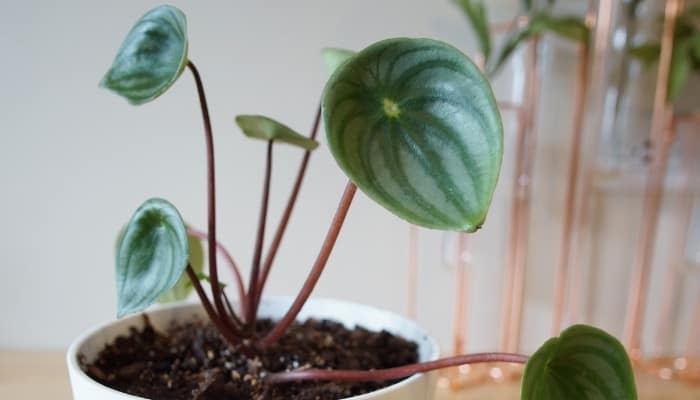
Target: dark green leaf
(414, 124)
(151, 58)
(647, 54)
(152, 254)
(183, 287)
(264, 128)
(476, 13)
(527, 4)
(583, 363)
(334, 57)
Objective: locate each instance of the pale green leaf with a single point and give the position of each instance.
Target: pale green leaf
(583, 363)
(414, 124)
(151, 256)
(334, 57)
(264, 128)
(151, 58)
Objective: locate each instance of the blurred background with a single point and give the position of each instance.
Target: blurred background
(76, 162)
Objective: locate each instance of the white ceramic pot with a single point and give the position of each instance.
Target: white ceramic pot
(417, 387)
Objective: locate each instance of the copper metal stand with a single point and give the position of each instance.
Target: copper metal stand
(661, 137)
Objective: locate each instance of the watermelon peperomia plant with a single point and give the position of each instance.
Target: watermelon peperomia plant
(414, 125)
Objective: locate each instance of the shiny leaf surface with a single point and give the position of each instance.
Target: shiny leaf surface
(414, 124)
(183, 287)
(151, 58)
(583, 363)
(151, 256)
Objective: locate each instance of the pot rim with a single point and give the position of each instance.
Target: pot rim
(73, 349)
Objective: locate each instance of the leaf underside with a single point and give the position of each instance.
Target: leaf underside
(151, 58)
(264, 128)
(151, 256)
(414, 124)
(334, 57)
(583, 363)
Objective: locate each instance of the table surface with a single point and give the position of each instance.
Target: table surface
(43, 375)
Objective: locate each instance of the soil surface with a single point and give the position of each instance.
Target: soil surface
(191, 361)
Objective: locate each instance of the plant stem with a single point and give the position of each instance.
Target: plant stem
(228, 334)
(213, 271)
(321, 260)
(231, 312)
(257, 255)
(229, 259)
(391, 373)
(270, 258)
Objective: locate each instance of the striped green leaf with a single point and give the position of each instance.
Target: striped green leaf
(151, 256)
(264, 128)
(151, 58)
(334, 57)
(184, 287)
(583, 363)
(414, 124)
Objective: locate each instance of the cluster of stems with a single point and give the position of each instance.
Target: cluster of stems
(238, 326)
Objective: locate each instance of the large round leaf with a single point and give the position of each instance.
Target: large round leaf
(414, 124)
(152, 56)
(152, 254)
(583, 363)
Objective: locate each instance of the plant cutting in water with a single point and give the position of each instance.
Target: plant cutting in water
(413, 123)
(534, 20)
(685, 59)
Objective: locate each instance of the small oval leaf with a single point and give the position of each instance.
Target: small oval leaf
(183, 287)
(151, 58)
(333, 57)
(583, 363)
(264, 128)
(152, 254)
(414, 124)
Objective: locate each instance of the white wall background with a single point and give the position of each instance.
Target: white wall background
(75, 160)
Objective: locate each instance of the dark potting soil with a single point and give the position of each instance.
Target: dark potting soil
(192, 362)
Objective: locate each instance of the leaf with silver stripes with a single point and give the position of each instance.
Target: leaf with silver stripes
(414, 124)
(151, 256)
(583, 363)
(151, 58)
